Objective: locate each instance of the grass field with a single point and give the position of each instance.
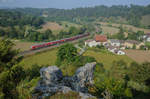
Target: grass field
(43, 58)
(128, 27)
(107, 58)
(138, 55)
(22, 45)
(111, 30)
(49, 58)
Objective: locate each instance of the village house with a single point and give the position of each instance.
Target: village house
(115, 50)
(112, 49)
(146, 37)
(119, 52)
(132, 43)
(114, 42)
(98, 40)
(101, 38)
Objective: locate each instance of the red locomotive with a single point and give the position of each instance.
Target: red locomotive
(58, 41)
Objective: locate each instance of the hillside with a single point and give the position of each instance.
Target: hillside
(131, 15)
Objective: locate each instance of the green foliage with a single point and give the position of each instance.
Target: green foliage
(116, 87)
(147, 44)
(118, 69)
(67, 53)
(132, 14)
(12, 18)
(11, 74)
(82, 60)
(139, 73)
(120, 35)
(33, 72)
(7, 55)
(135, 36)
(142, 47)
(16, 74)
(134, 46)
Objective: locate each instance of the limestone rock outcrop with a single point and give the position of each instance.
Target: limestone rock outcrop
(53, 81)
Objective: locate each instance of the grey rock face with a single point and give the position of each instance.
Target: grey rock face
(52, 81)
(51, 75)
(83, 77)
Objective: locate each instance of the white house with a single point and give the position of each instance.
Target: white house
(148, 39)
(119, 52)
(115, 50)
(112, 49)
(92, 43)
(114, 42)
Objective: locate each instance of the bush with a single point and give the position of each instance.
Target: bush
(33, 72)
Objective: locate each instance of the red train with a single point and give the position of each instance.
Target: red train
(58, 41)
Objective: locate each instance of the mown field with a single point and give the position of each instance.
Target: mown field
(107, 58)
(109, 30)
(22, 45)
(138, 55)
(43, 58)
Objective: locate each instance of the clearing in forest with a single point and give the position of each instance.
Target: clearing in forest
(55, 27)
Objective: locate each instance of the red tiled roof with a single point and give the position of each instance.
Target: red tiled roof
(100, 38)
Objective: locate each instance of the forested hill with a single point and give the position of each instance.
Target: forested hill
(132, 14)
(12, 18)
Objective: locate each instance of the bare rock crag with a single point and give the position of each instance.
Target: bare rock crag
(53, 81)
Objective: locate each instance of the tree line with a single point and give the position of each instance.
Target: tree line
(31, 34)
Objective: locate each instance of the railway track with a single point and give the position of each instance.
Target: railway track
(32, 52)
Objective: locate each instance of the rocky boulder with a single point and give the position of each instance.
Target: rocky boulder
(52, 81)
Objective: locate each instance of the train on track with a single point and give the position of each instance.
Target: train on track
(52, 43)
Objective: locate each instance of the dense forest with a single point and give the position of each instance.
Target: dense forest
(12, 18)
(132, 13)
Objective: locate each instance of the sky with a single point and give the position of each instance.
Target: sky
(68, 4)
